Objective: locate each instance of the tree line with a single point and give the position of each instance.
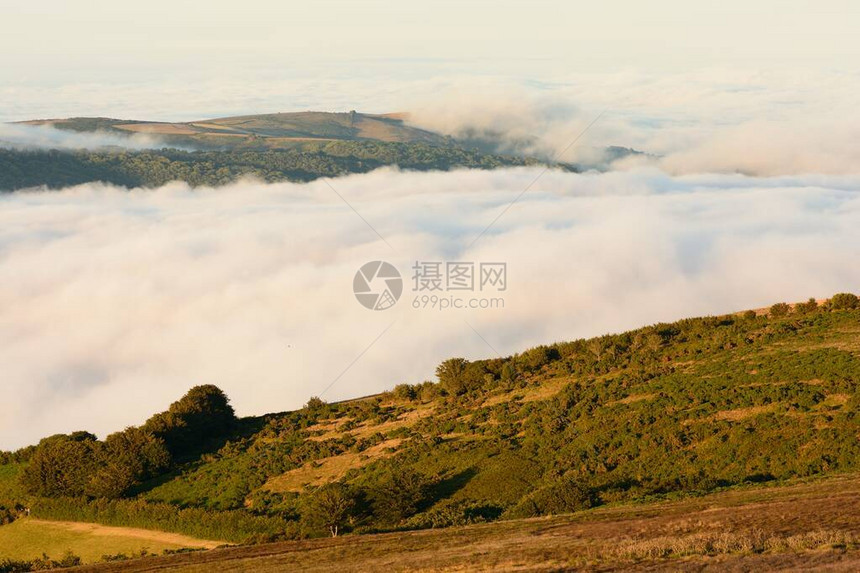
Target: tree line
(21, 169)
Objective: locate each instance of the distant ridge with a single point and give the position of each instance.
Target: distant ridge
(268, 131)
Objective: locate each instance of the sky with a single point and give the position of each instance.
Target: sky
(113, 302)
(615, 33)
(179, 58)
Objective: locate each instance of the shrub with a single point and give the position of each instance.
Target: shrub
(405, 392)
(39, 564)
(565, 496)
(806, 307)
(780, 309)
(535, 358)
(315, 404)
(448, 514)
(398, 495)
(844, 301)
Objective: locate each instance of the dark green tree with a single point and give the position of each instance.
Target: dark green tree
(399, 494)
(844, 301)
(61, 465)
(202, 414)
(125, 460)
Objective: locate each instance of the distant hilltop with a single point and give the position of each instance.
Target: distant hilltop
(265, 131)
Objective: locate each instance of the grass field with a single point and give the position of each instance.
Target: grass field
(29, 538)
(805, 525)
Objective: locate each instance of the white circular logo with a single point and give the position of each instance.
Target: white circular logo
(377, 285)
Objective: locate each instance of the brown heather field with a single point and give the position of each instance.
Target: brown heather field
(810, 525)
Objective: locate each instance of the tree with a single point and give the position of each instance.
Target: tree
(78, 464)
(595, 346)
(452, 374)
(780, 309)
(315, 404)
(61, 465)
(844, 301)
(126, 459)
(399, 495)
(536, 357)
(569, 495)
(203, 413)
(329, 506)
(405, 392)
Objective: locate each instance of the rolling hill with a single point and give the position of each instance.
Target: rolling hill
(300, 146)
(665, 412)
(264, 131)
(295, 147)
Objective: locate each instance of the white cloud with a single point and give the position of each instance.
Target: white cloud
(114, 302)
(22, 136)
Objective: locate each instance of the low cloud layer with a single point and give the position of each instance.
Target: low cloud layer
(23, 136)
(783, 121)
(114, 302)
(719, 121)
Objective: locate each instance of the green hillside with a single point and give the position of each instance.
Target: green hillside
(20, 169)
(271, 147)
(300, 146)
(665, 411)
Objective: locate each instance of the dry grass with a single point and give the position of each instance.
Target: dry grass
(328, 469)
(836, 400)
(532, 393)
(724, 542)
(813, 525)
(158, 128)
(632, 399)
(745, 413)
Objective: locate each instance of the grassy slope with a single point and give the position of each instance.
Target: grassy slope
(692, 418)
(659, 413)
(812, 524)
(29, 538)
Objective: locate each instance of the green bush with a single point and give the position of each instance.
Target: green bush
(844, 301)
(779, 310)
(398, 494)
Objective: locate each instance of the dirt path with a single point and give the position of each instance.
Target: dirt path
(145, 534)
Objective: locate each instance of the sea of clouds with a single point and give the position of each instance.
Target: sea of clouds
(27, 137)
(114, 302)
